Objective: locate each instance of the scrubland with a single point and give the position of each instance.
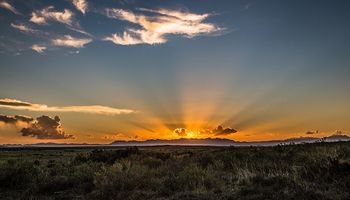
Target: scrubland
(308, 171)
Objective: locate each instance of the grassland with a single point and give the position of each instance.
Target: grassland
(310, 171)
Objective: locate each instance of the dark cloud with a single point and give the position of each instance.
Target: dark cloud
(14, 119)
(7, 119)
(180, 131)
(24, 118)
(311, 132)
(223, 131)
(220, 130)
(46, 127)
(12, 102)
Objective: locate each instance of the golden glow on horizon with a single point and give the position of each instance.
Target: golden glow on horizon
(198, 107)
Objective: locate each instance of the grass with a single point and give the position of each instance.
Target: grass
(310, 171)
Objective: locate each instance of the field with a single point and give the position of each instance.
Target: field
(309, 171)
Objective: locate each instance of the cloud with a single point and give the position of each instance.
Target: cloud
(23, 28)
(6, 5)
(185, 16)
(66, 17)
(45, 127)
(13, 102)
(118, 136)
(220, 130)
(216, 131)
(125, 39)
(30, 31)
(155, 28)
(311, 132)
(81, 5)
(223, 131)
(180, 132)
(94, 109)
(38, 48)
(69, 41)
(14, 119)
(49, 14)
(340, 132)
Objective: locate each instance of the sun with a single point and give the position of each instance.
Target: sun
(191, 134)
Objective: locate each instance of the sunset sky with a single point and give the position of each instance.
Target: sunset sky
(246, 70)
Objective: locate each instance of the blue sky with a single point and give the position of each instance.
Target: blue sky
(268, 69)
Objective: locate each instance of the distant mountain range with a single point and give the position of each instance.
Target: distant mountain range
(228, 142)
(194, 142)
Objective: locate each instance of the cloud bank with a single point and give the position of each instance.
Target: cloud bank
(155, 27)
(94, 109)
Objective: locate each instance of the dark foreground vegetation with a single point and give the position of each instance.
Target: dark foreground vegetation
(313, 171)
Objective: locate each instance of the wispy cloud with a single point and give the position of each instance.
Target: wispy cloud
(93, 109)
(155, 28)
(49, 14)
(81, 5)
(23, 28)
(69, 41)
(66, 17)
(6, 5)
(38, 48)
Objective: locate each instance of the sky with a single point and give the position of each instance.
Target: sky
(96, 71)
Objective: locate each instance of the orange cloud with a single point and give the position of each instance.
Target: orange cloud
(94, 109)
